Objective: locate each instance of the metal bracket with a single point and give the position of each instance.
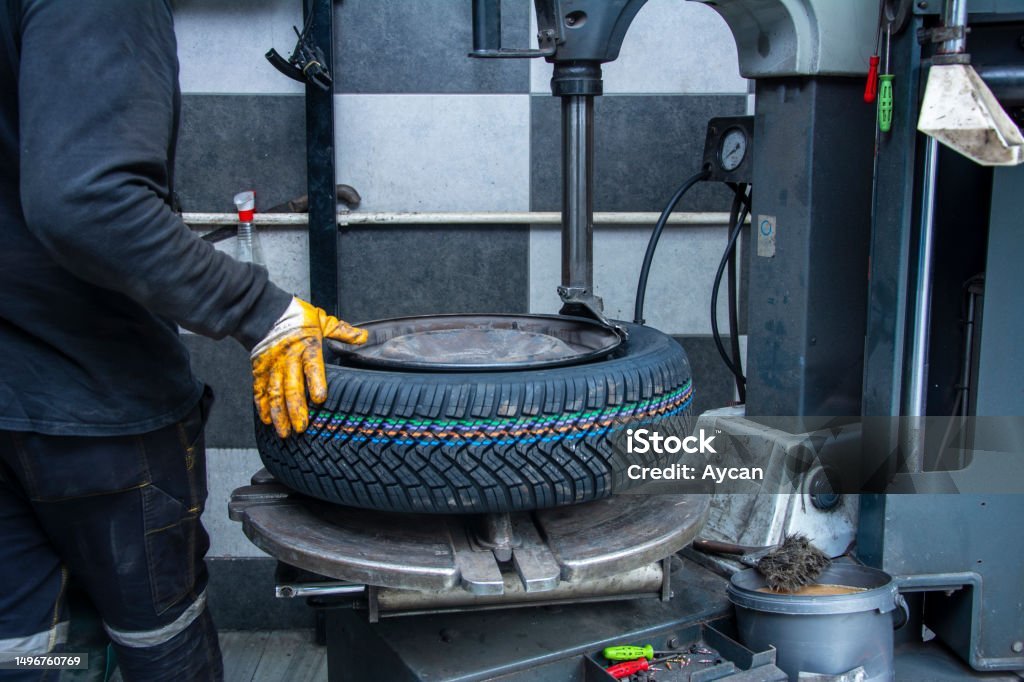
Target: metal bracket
(479, 572)
(487, 31)
(546, 38)
(498, 539)
(940, 59)
(495, 533)
(580, 302)
(666, 579)
(535, 564)
(331, 588)
(941, 34)
(307, 63)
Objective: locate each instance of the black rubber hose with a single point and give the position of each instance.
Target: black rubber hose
(652, 244)
(741, 188)
(738, 216)
(734, 323)
(737, 361)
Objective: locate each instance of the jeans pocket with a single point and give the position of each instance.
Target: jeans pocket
(175, 544)
(56, 468)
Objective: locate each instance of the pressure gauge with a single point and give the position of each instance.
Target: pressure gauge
(733, 149)
(729, 147)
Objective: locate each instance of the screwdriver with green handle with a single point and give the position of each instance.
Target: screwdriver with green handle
(631, 653)
(885, 98)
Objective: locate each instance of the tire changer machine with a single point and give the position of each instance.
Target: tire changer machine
(833, 200)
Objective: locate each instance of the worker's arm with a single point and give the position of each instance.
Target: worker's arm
(97, 89)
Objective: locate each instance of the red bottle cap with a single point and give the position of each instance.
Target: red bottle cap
(245, 202)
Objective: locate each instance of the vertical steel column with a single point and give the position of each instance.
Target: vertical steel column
(954, 15)
(578, 193)
(807, 304)
(320, 171)
(486, 25)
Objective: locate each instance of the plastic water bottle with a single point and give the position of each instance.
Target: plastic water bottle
(247, 247)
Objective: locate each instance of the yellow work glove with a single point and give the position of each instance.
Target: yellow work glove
(290, 360)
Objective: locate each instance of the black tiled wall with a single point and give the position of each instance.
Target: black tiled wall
(241, 597)
(231, 143)
(420, 46)
(224, 365)
(645, 146)
(396, 271)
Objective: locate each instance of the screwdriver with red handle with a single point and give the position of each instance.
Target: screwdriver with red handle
(871, 89)
(626, 668)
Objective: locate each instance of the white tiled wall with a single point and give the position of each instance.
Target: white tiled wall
(286, 255)
(678, 298)
(226, 470)
(221, 44)
(435, 152)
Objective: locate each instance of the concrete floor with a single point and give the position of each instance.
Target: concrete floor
(270, 656)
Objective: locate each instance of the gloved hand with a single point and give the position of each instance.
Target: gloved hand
(290, 359)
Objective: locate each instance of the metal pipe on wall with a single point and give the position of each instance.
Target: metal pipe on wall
(345, 219)
(578, 193)
(916, 397)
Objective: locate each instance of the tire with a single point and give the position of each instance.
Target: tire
(485, 442)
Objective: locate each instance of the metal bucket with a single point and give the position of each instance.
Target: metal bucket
(831, 635)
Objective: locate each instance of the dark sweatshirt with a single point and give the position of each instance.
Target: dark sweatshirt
(96, 270)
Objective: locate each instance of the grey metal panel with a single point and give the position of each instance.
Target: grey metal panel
(800, 37)
(1001, 372)
(931, 661)
(963, 534)
(976, 6)
(812, 174)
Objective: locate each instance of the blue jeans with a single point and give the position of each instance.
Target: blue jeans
(120, 517)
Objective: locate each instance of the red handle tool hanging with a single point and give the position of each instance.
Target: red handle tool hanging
(871, 89)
